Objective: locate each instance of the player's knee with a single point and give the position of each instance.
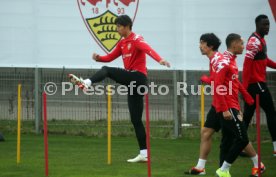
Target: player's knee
(136, 122)
(105, 70)
(206, 133)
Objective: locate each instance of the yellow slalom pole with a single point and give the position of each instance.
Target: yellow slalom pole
(18, 123)
(202, 106)
(109, 108)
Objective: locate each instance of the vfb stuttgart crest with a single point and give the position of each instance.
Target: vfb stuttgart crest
(99, 17)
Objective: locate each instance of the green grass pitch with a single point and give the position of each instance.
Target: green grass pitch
(82, 156)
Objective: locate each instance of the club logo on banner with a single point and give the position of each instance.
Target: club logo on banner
(99, 17)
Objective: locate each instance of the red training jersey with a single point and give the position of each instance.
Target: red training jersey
(133, 50)
(227, 77)
(256, 61)
(212, 69)
(216, 62)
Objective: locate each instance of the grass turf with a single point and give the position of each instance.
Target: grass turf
(80, 156)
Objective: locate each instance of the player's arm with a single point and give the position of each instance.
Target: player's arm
(252, 48)
(142, 45)
(247, 65)
(271, 63)
(246, 96)
(109, 57)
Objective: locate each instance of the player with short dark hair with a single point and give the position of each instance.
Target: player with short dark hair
(133, 49)
(124, 20)
(234, 135)
(208, 45)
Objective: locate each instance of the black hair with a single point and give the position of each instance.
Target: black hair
(231, 38)
(259, 18)
(124, 20)
(211, 39)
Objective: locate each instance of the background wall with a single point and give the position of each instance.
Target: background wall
(51, 33)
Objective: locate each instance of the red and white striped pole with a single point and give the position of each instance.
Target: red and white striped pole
(45, 133)
(258, 126)
(148, 134)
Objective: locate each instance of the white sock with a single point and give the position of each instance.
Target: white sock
(255, 161)
(201, 163)
(87, 82)
(225, 166)
(144, 152)
(274, 145)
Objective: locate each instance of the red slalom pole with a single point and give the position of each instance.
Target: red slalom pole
(148, 134)
(45, 133)
(258, 126)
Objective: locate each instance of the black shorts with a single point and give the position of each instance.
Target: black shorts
(212, 120)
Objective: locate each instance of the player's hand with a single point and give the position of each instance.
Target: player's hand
(240, 116)
(205, 79)
(249, 100)
(165, 63)
(240, 112)
(227, 115)
(96, 57)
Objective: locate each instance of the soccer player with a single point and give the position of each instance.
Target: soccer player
(133, 50)
(234, 135)
(254, 76)
(209, 44)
